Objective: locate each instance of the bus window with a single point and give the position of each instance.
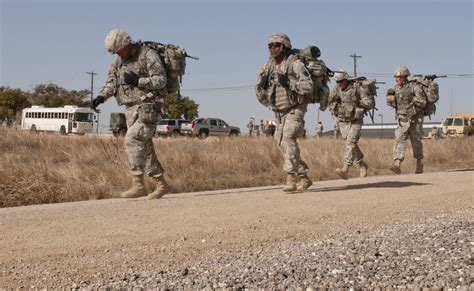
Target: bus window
(82, 116)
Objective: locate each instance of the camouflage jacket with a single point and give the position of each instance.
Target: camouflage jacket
(410, 99)
(351, 103)
(270, 92)
(147, 64)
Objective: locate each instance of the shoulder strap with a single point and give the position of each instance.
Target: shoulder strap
(289, 63)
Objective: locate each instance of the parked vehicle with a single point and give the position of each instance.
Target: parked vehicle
(118, 124)
(170, 127)
(460, 124)
(65, 120)
(204, 127)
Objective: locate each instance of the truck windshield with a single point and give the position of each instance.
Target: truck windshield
(448, 121)
(82, 116)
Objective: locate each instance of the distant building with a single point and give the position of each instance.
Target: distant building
(387, 130)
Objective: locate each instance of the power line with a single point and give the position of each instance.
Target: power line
(248, 87)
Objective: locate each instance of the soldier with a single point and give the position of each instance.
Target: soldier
(319, 129)
(408, 99)
(348, 103)
(263, 128)
(336, 130)
(250, 127)
(282, 85)
(434, 133)
(137, 79)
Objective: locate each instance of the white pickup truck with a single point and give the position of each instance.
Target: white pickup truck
(204, 127)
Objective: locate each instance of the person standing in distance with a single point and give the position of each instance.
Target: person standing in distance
(282, 85)
(137, 79)
(408, 99)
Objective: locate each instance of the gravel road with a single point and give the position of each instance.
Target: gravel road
(386, 232)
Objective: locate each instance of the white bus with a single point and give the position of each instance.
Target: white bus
(67, 119)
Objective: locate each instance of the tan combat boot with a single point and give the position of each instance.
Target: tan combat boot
(137, 189)
(363, 167)
(395, 167)
(304, 183)
(342, 172)
(419, 167)
(290, 185)
(161, 188)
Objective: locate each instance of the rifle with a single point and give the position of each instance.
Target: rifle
(431, 77)
(191, 57)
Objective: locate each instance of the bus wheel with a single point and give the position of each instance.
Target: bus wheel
(62, 130)
(33, 128)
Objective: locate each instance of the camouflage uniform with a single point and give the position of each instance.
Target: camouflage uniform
(348, 107)
(409, 101)
(143, 105)
(288, 112)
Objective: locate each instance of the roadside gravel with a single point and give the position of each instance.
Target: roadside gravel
(436, 253)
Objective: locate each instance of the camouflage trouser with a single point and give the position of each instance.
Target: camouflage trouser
(139, 145)
(350, 132)
(408, 129)
(289, 127)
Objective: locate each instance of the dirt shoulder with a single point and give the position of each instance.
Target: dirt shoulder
(94, 241)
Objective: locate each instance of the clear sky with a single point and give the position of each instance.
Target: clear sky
(59, 41)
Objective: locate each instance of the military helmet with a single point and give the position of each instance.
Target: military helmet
(116, 39)
(341, 75)
(280, 38)
(401, 71)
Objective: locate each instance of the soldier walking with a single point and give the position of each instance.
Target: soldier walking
(281, 85)
(408, 99)
(348, 103)
(137, 79)
(336, 130)
(319, 129)
(250, 127)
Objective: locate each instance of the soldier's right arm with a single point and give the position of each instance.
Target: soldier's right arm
(110, 87)
(262, 87)
(420, 98)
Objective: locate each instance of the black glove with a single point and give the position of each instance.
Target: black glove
(131, 78)
(97, 101)
(263, 81)
(283, 80)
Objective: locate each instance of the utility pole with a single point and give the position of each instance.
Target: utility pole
(92, 95)
(92, 83)
(355, 57)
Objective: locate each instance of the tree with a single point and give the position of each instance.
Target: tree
(182, 107)
(52, 95)
(12, 102)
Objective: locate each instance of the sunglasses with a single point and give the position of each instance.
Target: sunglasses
(274, 44)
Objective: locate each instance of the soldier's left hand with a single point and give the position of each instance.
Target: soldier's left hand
(283, 80)
(131, 78)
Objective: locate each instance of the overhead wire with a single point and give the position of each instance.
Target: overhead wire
(248, 87)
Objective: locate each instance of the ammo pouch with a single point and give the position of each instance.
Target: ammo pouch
(148, 112)
(346, 111)
(359, 113)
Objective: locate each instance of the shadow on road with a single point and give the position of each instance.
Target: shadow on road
(385, 184)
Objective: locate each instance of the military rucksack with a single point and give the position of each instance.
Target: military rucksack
(431, 89)
(367, 87)
(319, 74)
(174, 60)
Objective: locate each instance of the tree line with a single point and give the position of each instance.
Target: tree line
(14, 100)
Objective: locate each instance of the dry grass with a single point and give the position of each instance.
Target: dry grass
(49, 168)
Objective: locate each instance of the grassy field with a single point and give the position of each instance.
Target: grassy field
(50, 168)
